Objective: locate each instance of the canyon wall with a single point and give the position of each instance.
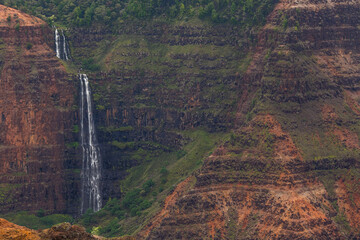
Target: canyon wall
(37, 117)
(158, 79)
(290, 94)
(292, 170)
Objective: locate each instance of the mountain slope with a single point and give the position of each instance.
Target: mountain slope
(291, 172)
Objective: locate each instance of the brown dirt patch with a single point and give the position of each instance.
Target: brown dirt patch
(348, 138)
(180, 189)
(12, 231)
(285, 149)
(328, 113)
(352, 98)
(349, 202)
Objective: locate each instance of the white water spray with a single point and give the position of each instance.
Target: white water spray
(62, 49)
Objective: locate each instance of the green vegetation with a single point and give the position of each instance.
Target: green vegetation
(86, 12)
(73, 145)
(148, 184)
(29, 45)
(351, 179)
(38, 220)
(6, 190)
(89, 64)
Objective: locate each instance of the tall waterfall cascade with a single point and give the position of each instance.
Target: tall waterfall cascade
(62, 48)
(91, 159)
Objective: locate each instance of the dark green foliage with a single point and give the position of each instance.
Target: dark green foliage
(89, 64)
(112, 228)
(17, 27)
(38, 221)
(75, 129)
(88, 217)
(164, 174)
(132, 204)
(86, 12)
(8, 19)
(148, 185)
(29, 46)
(131, 198)
(40, 213)
(164, 171)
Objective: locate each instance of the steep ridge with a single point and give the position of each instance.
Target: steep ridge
(292, 171)
(36, 99)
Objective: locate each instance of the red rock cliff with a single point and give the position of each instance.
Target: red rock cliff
(35, 100)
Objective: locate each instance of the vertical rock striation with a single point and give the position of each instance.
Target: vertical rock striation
(36, 116)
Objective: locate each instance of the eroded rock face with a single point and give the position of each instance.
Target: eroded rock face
(10, 231)
(36, 96)
(245, 191)
(290, 172)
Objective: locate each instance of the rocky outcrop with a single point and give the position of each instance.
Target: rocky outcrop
(10, 231)
(37, 118)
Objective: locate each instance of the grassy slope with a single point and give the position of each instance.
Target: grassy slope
(178, 165)
(38, 221)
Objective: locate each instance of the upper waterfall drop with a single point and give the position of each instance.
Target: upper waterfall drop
(91, 161)
(61, 46)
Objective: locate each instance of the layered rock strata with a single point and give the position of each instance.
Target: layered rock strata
(36, 116)
(291, 170)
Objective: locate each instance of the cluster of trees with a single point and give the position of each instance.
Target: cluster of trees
(88, 12)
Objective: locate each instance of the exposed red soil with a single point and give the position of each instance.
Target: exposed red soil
(348, 193)
(348, 138)
(180, 189)
(352, 98)
(285, 149)
(17, 17)
(328, 113)
(258, 205)
(10, 231)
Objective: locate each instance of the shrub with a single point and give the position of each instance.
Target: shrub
(112, 228)
(88, 217)
(148, 185)
(90, 64)
(17, 27)
(29, 45)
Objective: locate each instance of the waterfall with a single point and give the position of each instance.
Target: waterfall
(57, 43)
(91, 160)
(62, 49)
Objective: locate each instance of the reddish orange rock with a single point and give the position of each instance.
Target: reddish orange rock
(36, 96)
(10, 231)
